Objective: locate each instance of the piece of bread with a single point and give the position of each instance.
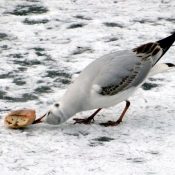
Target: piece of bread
(20, 118)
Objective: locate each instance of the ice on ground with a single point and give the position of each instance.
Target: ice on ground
(44, 45)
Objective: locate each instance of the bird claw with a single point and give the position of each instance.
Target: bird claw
(110, 123)
(86, 121)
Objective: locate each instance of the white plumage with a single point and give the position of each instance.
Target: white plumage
(110, 80)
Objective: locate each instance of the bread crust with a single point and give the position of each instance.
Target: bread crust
(20, 118)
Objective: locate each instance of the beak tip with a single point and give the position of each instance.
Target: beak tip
(39, 120)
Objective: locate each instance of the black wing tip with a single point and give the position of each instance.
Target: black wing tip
(170, 64)
(166, 43)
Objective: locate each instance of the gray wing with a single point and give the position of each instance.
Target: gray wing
(125, 70)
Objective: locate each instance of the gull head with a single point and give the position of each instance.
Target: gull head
(54, 116)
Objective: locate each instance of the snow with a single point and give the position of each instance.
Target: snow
(43, 49)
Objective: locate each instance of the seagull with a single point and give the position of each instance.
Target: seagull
(110, 80)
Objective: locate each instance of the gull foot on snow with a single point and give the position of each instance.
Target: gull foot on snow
(86, 121)
(110, 123)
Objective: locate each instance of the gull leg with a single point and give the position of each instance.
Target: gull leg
(114, 123)
(87, 120)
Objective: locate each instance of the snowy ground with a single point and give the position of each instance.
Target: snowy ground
(43, 46)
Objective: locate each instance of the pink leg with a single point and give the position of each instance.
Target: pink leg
(87, 120)
(114, 123)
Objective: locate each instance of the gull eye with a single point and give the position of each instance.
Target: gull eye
(57, 105)
(48, 113)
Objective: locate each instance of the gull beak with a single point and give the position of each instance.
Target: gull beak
(39, 120)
